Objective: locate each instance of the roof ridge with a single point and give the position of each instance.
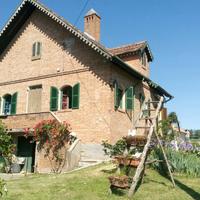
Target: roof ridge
(96, 46)
(130, 44)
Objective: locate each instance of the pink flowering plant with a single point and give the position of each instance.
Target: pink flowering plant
(51, 136)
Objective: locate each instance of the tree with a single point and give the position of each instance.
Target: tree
(173, 118)
(6, 144)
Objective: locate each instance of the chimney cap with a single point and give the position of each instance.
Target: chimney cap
(92, 12)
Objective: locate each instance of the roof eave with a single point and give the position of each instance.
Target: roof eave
(153, 85)
(32, 4)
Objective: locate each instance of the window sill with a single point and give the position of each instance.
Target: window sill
(63, 111)
(36, 58)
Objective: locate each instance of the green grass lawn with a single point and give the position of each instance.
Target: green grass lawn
(195, 141)
(92, 184)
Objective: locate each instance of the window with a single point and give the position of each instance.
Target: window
(144, 59)
(9, 104)
(129, 98)
(34, 104)
(118, 96)
(36, 50)
(141, 99)
(66, 97)
(69, 97)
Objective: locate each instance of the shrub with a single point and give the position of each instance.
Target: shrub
(116, 149)
(6, 144)
(3, 189)
(2, 165)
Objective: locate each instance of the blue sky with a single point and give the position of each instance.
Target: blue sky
(172, 29)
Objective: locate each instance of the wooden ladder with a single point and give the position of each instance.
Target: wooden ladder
(151, 129)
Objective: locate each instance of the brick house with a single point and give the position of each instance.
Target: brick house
(50, 69)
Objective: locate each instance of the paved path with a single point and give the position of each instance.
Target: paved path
(10, 176)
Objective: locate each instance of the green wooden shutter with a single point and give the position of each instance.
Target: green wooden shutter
(76, 96)
(116, 101)
(129, 98)
(54, 99)
(120, 96)
(14, 104)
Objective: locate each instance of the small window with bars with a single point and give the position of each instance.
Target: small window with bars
(36, 50)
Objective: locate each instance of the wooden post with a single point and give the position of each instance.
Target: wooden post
(140, 167)
(165, 158)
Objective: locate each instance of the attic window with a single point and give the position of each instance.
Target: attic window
(36, 50)
(144, 59)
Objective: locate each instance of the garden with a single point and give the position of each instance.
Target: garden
(182, 157)
(51, 136)
(109, 180)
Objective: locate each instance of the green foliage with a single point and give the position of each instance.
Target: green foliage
(2, 165)
(115, 150)
(195, 134)
(51, 136)
(173, 117)
(6, 144)
(181, 162)
(3, 189)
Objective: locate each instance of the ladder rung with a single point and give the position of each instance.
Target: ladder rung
(146, 118)
(145, 127)
(148, 102)
(146, 110)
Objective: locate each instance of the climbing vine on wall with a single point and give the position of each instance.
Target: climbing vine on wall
(51, 136)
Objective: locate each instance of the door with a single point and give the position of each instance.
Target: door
(35, 99)
(26, 149)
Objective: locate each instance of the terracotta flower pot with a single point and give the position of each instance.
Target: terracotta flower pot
(119, 181)
(121, 160)
(137, 140)
(135, 162)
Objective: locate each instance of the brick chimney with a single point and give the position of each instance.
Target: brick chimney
(92, 24)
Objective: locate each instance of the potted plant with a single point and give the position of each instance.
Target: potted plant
(119, 181)
(127, 160)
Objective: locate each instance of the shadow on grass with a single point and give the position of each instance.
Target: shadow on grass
(119, 192)
(148, 180)
(109, 171)
(195, 195)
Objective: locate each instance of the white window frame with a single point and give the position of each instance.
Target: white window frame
(35, 55)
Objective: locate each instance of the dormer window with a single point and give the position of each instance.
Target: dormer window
(36, 50)
(144, 59)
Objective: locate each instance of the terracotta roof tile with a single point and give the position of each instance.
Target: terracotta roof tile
(127, 48)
